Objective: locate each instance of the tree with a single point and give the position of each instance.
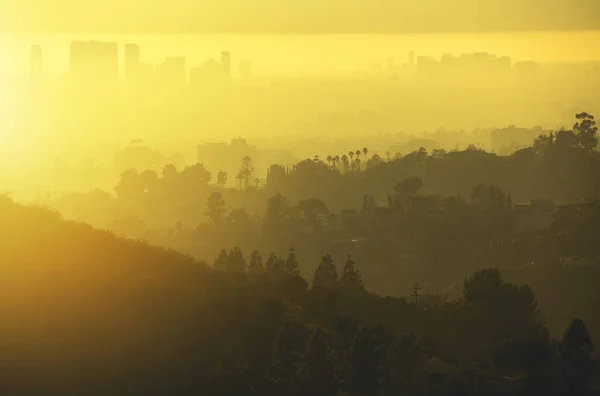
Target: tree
(256, 264)
(237, 261)
(275, 175)
(408, 188)
(246, 170)
(351, 278)
(365, 152)
(326, 274)
(323, 372)
(406, 357)
(369, 204)
(576, 351)
(169, 171)
(195, 176)
(345, 163)
(221, 179)
(374, 161)
(313, 210)
(277, 210)
(216, 208)
(222, 261)
(271, 262)
(129, 186)
(586, 131)
(367, 363)
(291, 264)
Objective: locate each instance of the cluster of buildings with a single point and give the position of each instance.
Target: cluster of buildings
(96, 61)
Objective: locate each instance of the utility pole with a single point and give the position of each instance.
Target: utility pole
(415, 293)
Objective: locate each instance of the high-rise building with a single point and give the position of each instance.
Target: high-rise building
(37, 62)
(226, 64)
(411, 58)
(94, 60)
(132, 62)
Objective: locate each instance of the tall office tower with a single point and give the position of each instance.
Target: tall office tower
(411, 58)
(94, 60)
(36, 63)
(132, 62)
(245, 72)
(226, 64)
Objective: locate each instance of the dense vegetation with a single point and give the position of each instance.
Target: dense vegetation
(85, 312)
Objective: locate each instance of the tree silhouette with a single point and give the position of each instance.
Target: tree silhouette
(246, 170)
(271, 262)
(291, 264)
(365, 152)
(351, 278)
(586, 131)
(576, 351)
(169, 171)
(326, 274)
(222, 261)
(216, 208)
(367, 363)
(407, 189)
(237, 262)
(221, 178)
(256, 264)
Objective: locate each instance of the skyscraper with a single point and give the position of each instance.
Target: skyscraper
(132, 62)
(226, 64)
(36, 63)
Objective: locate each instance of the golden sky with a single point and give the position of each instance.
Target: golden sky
(294, 16)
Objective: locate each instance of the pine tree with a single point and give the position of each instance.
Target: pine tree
(323, 367)
(237, 262)
(222, 261)
(271, 261)
(367, 362)
(576, 351)
(351, 277)
(326, 274)
(279, 267)
(256, 264)
(291, 264)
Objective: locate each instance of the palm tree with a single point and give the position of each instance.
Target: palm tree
(365, 152)
(357, 152)
(336, 161)
(351, 154)
(345, 162)
(329, 160)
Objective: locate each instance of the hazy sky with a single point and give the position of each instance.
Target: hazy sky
(295, 16)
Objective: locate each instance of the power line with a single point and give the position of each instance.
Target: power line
(415, 292)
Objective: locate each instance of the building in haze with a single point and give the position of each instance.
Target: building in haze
(94, 60)
(36, 63)
(172, 73)
(132, 62)
(220, 156)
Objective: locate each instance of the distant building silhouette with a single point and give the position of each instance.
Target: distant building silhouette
(132, 62)
(36, 63)
(227, 157)
(172, 72)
